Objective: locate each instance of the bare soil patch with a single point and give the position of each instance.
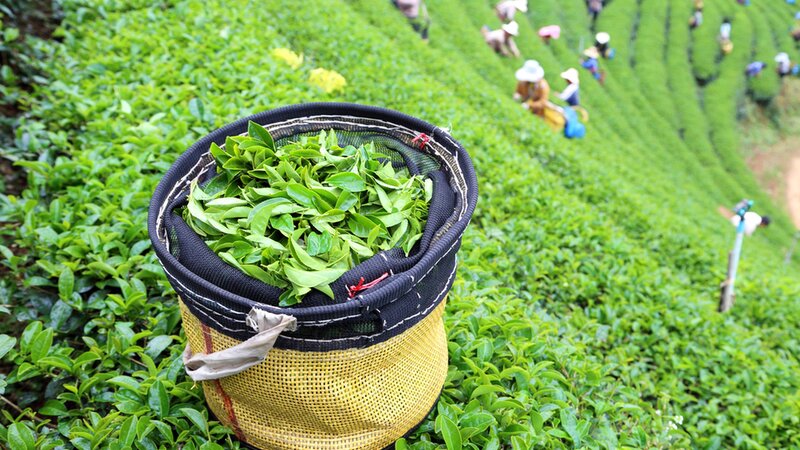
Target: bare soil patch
(771, 141)
(777, 168)
(793, 189)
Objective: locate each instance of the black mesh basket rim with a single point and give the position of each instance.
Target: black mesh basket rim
(363, 303)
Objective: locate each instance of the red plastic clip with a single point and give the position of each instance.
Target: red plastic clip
(422, 139)
(353, 290)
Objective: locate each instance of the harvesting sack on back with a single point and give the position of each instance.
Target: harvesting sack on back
(312, 269)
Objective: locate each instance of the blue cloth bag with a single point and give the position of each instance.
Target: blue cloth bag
(573, 128)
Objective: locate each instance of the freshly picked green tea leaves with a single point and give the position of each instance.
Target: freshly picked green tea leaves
(300, 215)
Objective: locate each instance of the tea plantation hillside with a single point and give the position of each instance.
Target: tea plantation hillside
(584, 311)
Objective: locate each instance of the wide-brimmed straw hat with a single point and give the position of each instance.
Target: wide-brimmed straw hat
(591, 52)
(571, 75)
(511, 28)
(602, 37)
(531, 71)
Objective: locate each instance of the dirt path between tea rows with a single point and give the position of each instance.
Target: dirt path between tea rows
(777, 168)
(773, 154)
(793, 189)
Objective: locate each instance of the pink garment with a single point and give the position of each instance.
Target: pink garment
(410, 8)
(551, 31)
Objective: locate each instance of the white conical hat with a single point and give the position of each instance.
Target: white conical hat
(521, 5)
(781, 57)
(571, 75)
(531, 71)
(592, 52)
(602, 37)
(511, 28)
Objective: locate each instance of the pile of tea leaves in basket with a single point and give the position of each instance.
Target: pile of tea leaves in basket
(300, 215)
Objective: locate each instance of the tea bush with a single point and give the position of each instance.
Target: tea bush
(584, 310)
(765, 86)
(705, 49)
(649, 59)
(693, 125)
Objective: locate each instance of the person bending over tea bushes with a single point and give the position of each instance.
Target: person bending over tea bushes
(532, 89)
(417, 15)
(502, 40)
(506, 10)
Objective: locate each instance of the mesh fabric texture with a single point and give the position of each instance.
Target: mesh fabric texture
(348, 399)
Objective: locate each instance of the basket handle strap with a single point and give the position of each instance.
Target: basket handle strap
(224, 363)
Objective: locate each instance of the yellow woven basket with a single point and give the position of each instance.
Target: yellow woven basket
(364, 398)
(356, 371)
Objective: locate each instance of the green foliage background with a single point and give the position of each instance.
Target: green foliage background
(584, 311)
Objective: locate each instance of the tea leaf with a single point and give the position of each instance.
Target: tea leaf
(257, 131)
(310, 198)
(348, 181)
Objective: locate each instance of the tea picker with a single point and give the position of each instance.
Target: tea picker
(532, 90)
(417, 15)
(502, 39)
(746, 223)
(602, 42)
(507, 9)
(725, 42)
